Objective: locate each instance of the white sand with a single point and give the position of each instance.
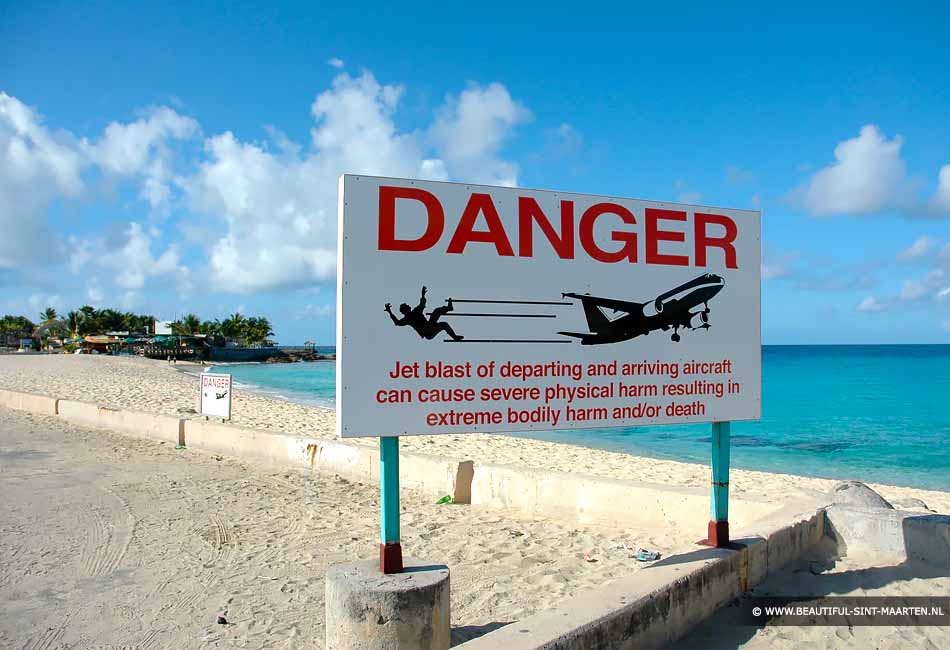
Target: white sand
(114, 542)
(109, 541)
(154, 386)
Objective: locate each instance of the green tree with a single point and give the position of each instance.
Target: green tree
(73, 320)
(192, 323)
(48, 314)
(109, 320)
(256, 330)
(232, 327)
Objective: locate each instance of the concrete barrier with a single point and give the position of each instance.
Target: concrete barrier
(895, 535)
(141, 425)
(26, 402)
(602, 501)
(430, 474)
(81, 413)
(663, 602)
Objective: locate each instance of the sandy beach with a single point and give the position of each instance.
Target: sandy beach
(109, 541)
(131, 543)
(156, 387)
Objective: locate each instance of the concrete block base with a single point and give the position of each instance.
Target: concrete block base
(369, 610)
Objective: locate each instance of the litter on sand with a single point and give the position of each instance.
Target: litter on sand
(446, 499)
(644, 555)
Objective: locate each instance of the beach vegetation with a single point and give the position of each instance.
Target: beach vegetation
(48, 314)
(249, 330)
(15, 328)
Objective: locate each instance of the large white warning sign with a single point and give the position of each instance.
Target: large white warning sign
(474, 308)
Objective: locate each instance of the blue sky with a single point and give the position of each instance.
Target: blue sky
(178, 158)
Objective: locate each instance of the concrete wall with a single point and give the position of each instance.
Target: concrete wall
(890, 535)
(431, 474)
(582, 498)
(27, 402)
(664, 601)
(597, 500)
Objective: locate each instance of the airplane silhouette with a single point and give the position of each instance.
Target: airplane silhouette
(613, 321)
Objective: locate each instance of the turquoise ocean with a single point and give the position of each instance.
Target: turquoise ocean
(878, 413)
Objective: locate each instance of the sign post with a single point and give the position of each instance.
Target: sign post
(506, 309)
(390, 552)
(719, 492)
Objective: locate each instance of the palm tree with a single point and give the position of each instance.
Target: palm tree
(210, 327)
(256, 330)
(109, 320)
(191, 324)
(73, 321)
(48, 314)
(233, 326)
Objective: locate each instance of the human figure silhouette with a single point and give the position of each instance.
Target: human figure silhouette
(427, 328)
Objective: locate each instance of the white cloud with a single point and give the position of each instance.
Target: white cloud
(315, 312)
(129, 264)
(95, 295)
(335, 63)
(871, 304)
(268, 208)
(738, 176)
(924, 288)
(470, 129)
(686, 195)
(278, 209)
(867, 177)
(37, 302)
(140, 148)
(940, 203)
(921, 246)
(777, 265)
(36, 168)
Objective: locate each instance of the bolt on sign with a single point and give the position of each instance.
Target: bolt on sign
(475, 308)
(215, 395)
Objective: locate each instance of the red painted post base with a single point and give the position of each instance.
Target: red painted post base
(390, 557)
(718, 535)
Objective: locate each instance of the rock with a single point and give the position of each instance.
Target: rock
(856, 493)
(910, 503)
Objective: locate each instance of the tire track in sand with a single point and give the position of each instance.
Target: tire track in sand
(108, 527)
(50, 638)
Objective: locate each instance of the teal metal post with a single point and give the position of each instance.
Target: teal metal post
(719, 524)
(390, 552)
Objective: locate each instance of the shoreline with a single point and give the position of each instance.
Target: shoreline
(644, 454)
(150, 386)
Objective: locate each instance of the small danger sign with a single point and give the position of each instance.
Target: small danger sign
(216, 395)
(474, 308)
